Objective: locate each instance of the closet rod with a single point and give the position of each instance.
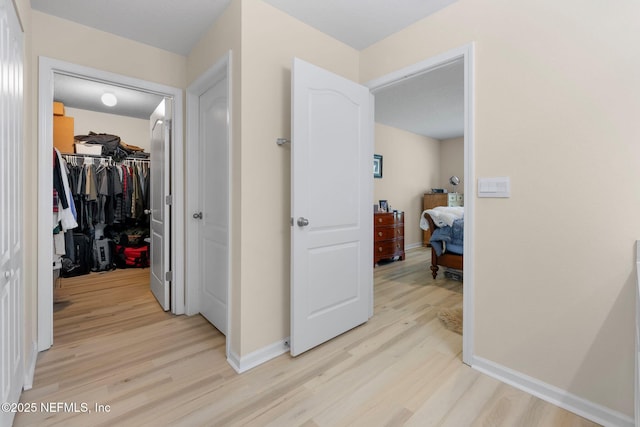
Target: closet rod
(109, 158)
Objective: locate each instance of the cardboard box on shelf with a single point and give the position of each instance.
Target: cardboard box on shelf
(58, 108)
(63, 132)
(94, 149)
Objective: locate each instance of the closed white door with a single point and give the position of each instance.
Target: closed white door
(11, 282)
(160, 123)
(214, 200)
(332, 199)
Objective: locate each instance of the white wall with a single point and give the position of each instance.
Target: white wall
(557, 102)
(131, 130)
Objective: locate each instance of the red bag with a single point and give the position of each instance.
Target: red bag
(133, 257)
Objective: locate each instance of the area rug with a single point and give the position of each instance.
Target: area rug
(451, 318)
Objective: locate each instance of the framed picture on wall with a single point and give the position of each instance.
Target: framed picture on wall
(377, 166)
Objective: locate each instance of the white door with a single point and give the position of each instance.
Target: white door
(213, 242)
(332, 199)
(11, 319)
(160, 202)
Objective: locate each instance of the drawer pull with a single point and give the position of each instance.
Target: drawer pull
(380, 233)
(380, 249)
(379, 219)
(398, 231)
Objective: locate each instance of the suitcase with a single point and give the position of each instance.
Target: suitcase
(103, 251)
(132, 256)
(82, 256)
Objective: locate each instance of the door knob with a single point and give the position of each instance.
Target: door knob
(147, 211)
(303, 222)
(197, 215)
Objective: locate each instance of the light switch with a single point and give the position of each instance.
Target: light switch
(499, 186)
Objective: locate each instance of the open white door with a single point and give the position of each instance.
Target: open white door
(160, 123)
(332, 199)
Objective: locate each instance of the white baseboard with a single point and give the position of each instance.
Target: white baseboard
(30, 370)
(562, 398)
(258, 357)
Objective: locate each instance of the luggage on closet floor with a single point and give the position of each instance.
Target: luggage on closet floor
(80, 257)
(103, 255)
(127, 256)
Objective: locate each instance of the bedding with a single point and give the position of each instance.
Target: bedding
(447, 245)
(449, 239)
(442, 216)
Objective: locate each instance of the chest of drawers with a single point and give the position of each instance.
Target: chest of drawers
(388, 235)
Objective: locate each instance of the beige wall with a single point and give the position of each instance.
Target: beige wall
(270, 40)
(557, 99)
(410, 168)
(131, 130)
(452, 163)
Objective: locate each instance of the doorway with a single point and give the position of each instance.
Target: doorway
(465, 54)
(47, 71)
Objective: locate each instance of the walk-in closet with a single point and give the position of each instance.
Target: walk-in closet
(101, 204)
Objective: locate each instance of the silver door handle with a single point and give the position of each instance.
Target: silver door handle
(147, 211)
(303, 222)
(197, 215)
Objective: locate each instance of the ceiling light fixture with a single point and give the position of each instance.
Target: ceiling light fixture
(109, 99)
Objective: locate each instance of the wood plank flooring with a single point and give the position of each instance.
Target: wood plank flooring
(114, 346)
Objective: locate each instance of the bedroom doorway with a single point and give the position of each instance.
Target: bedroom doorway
(465, 54)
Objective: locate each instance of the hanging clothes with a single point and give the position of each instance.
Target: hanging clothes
(66, 214)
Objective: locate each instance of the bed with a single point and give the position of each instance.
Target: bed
(446, 240)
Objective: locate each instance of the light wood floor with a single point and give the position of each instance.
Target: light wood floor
(401, 368)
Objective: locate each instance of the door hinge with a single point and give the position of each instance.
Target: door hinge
(168, 276)
(168, 200)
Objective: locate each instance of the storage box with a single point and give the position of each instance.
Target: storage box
(63, 132)
(58, 109)
(94, 149)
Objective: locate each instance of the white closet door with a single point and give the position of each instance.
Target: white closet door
(11, 283)
(214, 198)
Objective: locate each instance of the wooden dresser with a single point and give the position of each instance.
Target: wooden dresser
(388, 235)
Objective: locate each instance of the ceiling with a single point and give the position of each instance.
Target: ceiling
(430, 105)
(359, 23)
(171, 25)
(85, 94)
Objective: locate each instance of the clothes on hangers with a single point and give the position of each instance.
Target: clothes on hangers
(109, 193)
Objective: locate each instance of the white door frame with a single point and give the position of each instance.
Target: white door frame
(47, 68)
(220, 70)
(465, 53)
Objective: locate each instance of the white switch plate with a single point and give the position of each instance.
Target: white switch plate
(499, 186)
